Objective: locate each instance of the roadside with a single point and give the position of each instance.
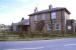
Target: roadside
(30, 37)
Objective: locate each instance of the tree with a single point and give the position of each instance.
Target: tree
(40, 25)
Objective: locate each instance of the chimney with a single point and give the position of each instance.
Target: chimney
(35, 10)
(50, 7)
(22, 19)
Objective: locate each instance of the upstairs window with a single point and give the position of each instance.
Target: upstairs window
(32, 18)
(53, 15)
(35, 17)
(43, 16)
(54, 21)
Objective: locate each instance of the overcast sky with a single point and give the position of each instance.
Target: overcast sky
(14, 10)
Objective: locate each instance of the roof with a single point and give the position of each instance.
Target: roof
(15, 24)
(52, 10)
(71, 20)
(24, 22)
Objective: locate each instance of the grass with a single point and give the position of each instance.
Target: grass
(20, 36)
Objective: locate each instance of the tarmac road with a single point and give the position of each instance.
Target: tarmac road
(56, 44)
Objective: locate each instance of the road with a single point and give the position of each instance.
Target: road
(56, 44)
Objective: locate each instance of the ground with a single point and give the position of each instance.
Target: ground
(55, 44)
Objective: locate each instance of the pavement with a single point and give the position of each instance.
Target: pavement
(56, 44)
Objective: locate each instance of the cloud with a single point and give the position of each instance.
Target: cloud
(14, 10)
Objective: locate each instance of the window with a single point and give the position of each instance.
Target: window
(38, 17)
(54, 21)
(49, 27)
(32, 18)
(1, 26)
(69, 27)
(53, 15)
(58, 27)
(35, 17)
(43, 16)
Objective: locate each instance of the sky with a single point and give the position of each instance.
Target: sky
(15, 10)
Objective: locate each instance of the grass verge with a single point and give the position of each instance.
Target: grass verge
(28, 37)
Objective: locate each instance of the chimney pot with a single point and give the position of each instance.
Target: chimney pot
(50, 7)
(36, 9)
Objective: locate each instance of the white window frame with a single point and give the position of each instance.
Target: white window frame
(54, 21)
(58, 26)
(43, 16)
(69, 27)
(35, 17)
(32, 18)
(53, 15)
(48, 27)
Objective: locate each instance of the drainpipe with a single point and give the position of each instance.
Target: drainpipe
(50, 7)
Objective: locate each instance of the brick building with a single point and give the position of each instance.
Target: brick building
(51, 20)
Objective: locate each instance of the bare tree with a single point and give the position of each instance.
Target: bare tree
(40, 25)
